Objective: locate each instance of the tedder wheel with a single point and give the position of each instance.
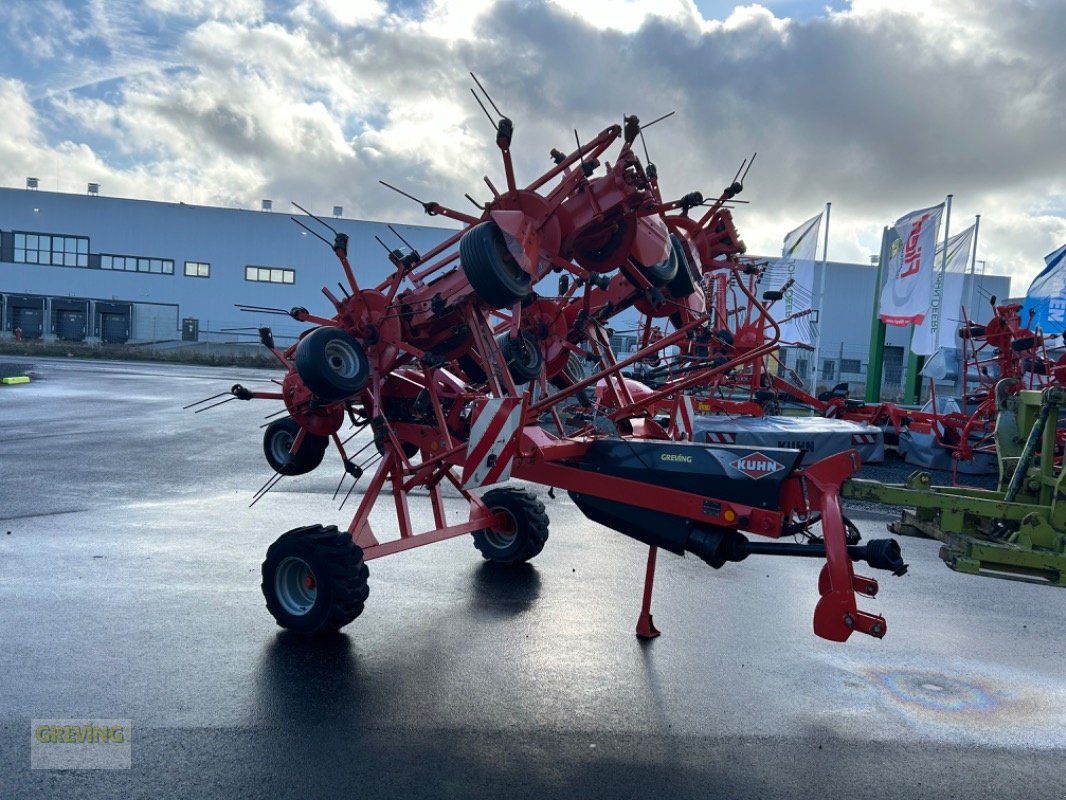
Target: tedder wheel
(314, 580)
(664, 272)
(489, 266)
(527, 529)
(332, 363)
(277, 441)
(685, 281)
(522, 356)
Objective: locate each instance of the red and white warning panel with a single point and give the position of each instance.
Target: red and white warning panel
(681, 419)
(493, 441)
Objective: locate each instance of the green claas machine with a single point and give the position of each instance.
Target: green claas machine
(1017, 531)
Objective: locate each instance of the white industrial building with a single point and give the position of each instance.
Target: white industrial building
(96, 268)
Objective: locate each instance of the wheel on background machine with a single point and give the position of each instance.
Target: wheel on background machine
(277, 441)
(332, 363)
(522, 356)
(489, 266)
(314, 580)
(527, 526)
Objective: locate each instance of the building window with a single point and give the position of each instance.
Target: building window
(269, 274)
(197, 269)
(156, 266)
(852, 366)
(52, 250)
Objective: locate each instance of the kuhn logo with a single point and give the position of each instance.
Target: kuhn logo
(756, 465)
(676, 457)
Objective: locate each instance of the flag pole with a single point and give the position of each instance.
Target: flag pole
(913, 391)
(943, 270)
(876, 367)
(821, 301)
(971, 302)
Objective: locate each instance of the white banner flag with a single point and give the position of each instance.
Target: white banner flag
(905, 296)
(796, 263)
(945, 306)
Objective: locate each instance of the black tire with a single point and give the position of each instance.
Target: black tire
(332, 363)
(530, 524)
(685, 281)
(522, 356)
(725, 336)
(661, 274)
(472, 369)
(277, 441)
(314, 580)
(570, 374)
(491, 269)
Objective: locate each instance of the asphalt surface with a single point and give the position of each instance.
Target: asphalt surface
(129, 588)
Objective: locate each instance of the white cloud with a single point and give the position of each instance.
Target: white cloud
(351, 13)
(880, 108)
(239, 10)
(628, 15)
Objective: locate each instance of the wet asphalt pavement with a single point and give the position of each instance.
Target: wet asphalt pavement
(129, 588)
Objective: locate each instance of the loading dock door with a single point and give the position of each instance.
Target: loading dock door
(114, 327)
(71, 325)
(70, 319)
(31, 320)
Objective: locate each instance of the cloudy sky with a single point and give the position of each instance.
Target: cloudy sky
(878, 106)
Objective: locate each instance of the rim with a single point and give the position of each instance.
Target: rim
(527, 353)
(343, 359)
(522, 352)
(295, 585)
(506, 248)
(501, 540)
(281, 446)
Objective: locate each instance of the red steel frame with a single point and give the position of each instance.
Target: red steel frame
(413, 335)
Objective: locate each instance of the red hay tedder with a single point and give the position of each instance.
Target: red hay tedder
(460, 364)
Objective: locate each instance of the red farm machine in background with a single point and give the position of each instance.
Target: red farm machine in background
(460, 364)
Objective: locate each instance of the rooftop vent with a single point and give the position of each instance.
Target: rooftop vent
(94, 189)
(338, 211)
(268, 205)
(31, 183)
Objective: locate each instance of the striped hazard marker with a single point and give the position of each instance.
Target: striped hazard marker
(864, 438)
(681, 422)
(493, 441)
(721, 437)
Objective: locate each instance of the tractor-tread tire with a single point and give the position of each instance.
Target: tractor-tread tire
(332, 363)
(531, 526)
(308, 457)
(490, 268)
(340, 573)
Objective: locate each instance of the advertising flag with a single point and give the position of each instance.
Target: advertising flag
(1047, 294)
(905, 296)
(944, 310)
(796, 263)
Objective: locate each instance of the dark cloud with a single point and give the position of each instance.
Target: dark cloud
(882, 108)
